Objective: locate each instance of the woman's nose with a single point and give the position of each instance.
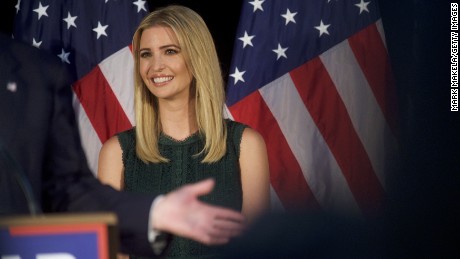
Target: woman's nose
(157, 64)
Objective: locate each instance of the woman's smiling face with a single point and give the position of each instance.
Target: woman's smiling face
(162, 64)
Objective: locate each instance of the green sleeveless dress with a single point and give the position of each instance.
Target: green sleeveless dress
(184, 168)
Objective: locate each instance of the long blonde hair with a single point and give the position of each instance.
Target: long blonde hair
(201, 58)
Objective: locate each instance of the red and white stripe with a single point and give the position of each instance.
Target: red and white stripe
(104, 102)
(330, 127)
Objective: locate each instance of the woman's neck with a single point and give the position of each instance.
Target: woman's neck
(178, 120)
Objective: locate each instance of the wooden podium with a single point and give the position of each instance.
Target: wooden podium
(59, 236)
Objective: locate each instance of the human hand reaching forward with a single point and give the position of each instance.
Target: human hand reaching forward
(181, 213)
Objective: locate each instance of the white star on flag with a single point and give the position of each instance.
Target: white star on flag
(322, 28)
(140, 5)
(238, 75)
(100, 30)
(70, 20)
(41, 10)
(281, 52)
(12, 87)
(17, 6)
(363, 6)
(257, 5)
(36, 43)
(289, 16)
(64, 56)
(246, 39)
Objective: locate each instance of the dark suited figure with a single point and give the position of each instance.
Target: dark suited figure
(39, 140)
(310, 235)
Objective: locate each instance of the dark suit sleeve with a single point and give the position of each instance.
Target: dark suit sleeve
(71, 186)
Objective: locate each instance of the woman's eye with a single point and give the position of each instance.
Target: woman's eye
(171, 51)
(145, 54)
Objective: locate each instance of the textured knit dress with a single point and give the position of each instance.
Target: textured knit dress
(184, 167)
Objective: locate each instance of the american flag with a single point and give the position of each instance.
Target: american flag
(92, 37)
(313, 77)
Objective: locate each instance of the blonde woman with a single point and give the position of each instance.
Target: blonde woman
(181, 135)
